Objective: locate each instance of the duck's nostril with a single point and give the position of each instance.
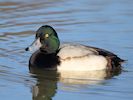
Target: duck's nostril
(27, 49)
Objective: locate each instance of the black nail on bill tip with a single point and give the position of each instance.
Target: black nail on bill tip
(27, 49)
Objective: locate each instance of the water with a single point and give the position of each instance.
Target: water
(101, 23)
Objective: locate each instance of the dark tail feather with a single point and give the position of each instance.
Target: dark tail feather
(116, 62)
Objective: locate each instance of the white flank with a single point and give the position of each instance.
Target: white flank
(88, 63)
(80, 58)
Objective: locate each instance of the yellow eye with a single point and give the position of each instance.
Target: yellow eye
(46, 35)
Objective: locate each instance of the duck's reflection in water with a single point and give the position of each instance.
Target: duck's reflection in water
(46, 85)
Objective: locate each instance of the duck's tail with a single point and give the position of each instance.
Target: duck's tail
(114, 62)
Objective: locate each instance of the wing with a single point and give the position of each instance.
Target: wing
(113, 60)
(75, 51)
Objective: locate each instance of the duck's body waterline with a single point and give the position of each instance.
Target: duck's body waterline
(69, 57)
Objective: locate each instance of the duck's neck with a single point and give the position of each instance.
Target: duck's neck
(43, 51)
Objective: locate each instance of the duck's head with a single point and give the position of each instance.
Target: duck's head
(46, 40)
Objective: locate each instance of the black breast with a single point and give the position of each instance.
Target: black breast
(42, 60)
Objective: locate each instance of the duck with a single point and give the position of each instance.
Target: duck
(50, 54)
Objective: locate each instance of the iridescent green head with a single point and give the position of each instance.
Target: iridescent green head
(46, 40)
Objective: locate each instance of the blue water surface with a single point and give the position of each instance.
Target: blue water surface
(106, 24)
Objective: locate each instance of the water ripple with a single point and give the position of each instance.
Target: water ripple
(101, 23)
